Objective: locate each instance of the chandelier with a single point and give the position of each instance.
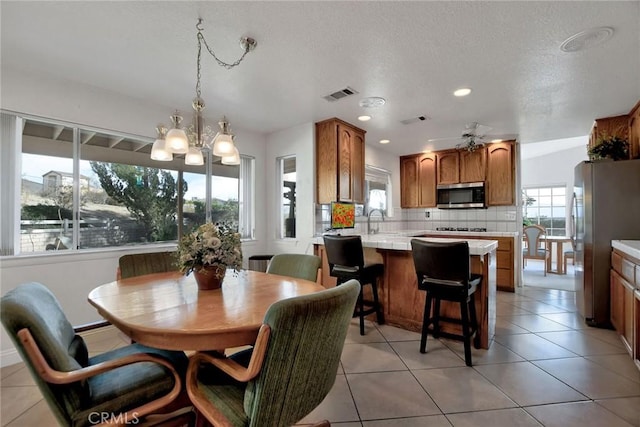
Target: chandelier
(192, 140)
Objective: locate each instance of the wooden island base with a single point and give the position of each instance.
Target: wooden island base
(403, 303)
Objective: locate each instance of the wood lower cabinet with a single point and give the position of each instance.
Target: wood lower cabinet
(418, 181)
(339, 162)
(500, 182)
(624, 299)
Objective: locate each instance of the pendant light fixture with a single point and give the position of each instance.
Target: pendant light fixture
(198, 137)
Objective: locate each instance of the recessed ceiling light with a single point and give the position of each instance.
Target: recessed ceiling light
(364, 118)
(372, 102)
(462, 92)
(384, 141)
(496, 140)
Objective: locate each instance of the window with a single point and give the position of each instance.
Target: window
(377, 189)
(116, 193)
(545, 206)
(286, 167)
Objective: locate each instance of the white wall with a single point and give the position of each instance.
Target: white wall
(298, 141)
(71, 276)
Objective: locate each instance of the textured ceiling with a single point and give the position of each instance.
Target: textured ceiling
(413, 54)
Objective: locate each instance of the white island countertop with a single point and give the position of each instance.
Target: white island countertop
(403, 243)
(629, 247)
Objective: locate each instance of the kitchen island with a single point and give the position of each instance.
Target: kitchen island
(403, 303)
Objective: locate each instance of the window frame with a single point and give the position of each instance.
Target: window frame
(536, 205)
(12, 130)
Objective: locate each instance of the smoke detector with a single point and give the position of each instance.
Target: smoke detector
(586, 39)
(372, 102)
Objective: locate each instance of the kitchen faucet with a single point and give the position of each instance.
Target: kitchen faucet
(375, 230)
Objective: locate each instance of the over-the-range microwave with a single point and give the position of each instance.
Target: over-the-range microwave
(469, 195)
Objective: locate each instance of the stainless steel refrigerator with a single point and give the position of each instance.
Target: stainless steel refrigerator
(606, 207)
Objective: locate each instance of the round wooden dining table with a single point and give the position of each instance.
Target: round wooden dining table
(166, 310)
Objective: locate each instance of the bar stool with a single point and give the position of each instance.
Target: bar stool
(443, 270)
(346, 262)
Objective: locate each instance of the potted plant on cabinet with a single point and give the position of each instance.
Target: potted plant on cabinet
(614, 148)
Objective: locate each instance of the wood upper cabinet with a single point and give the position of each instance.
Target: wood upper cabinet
(608, 127)
(427, 169)
(634, 132)
(473, 165)
(339, 162)
(409, 181)
(500, 182)
(448, 167)
(457, 166)
(418, 181)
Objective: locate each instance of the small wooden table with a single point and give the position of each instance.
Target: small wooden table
(559, 241)
(167, 311)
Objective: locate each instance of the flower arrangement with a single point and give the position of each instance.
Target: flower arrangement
(211, 245)
(613, 147)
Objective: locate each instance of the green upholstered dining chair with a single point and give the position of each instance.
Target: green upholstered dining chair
(291, 369)
(126, 384)
(299, 266)
(146, 263)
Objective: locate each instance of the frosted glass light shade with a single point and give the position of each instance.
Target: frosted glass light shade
(233, 159)
(194, 157)
(223, 145)
(176, 141)
(159, 153)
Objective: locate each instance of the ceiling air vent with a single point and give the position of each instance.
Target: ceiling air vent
(415, 120)
(340, 94)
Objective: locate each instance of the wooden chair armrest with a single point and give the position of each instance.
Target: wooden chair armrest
(57, 377)
(53, 376)
(230, 366)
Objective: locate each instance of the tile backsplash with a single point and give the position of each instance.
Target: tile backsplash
(498, 219)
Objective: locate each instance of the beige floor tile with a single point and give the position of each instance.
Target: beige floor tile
(608, 335)
(535, 323)
(430, 421)
(370, 357)
(504, 309)
(391, 333)
(532, 347)
(461, 390)
(619, 363)
(437, 356)
(497, 353)
(627, 408)
(103, 339)
(589, 378)
(579, 343)
(576, 414)
(8, 370)
(338, 406)
(572, 320)
(505, 327)
(499, 418)
(371, 333)
(514, 379)
(16, 400)
(38, 415)
(21, 377)
(538, 307)
(384, 395)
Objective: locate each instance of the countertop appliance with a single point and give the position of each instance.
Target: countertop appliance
(461, 196)
(605, 205)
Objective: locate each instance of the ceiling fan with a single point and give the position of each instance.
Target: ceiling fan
(472, 137)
